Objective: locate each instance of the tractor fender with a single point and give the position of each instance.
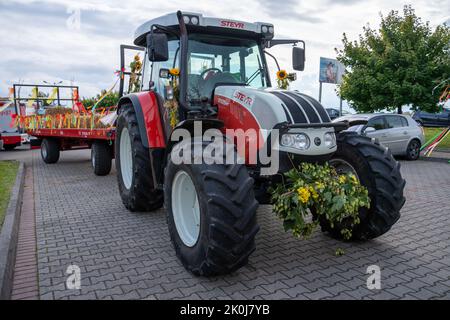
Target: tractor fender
(145, 105)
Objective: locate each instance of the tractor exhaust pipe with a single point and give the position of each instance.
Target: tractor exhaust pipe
(183, 65)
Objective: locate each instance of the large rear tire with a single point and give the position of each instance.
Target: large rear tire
(211, 215)
(134, 172)
(101, 158)
(378, 171)
(50, 150)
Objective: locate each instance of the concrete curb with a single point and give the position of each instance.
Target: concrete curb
(434, 159)
(9, 234)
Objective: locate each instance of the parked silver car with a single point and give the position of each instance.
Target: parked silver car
(400, 133)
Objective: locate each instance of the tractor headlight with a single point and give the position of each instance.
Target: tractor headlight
(298, 141)
(329, 139)
(194, 20)
(287, 140)
(264, 29)
(186, 19)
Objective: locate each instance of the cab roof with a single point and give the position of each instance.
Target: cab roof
(200, 23)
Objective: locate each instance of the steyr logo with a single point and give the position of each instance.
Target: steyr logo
(232, 24)
(243, 98)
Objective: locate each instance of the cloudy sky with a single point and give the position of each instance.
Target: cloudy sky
(38, 42)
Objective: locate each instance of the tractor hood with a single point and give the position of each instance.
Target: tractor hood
(270, 107)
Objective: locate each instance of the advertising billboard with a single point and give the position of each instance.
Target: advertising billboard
(331, 70)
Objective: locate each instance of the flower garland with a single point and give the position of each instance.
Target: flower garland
(319, 191)
(171, 103)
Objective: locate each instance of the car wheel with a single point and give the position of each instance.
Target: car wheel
(413, 150)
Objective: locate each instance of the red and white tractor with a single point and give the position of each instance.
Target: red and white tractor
(223, 85)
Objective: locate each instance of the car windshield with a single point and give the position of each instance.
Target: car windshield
(213, 60)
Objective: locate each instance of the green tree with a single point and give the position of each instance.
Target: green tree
(111, 99)
(397, 65)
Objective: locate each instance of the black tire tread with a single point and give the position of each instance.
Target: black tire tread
(53, 151)
(387, 195)
(231, 207)
(103, 158)
(144, 196)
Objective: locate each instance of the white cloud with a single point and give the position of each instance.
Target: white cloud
(36, 44)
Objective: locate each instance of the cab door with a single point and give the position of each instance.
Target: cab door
(127, 56)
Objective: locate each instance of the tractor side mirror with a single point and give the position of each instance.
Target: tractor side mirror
(298, 58)
(157, 47)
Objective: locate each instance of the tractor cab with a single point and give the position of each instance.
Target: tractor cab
(209, 52)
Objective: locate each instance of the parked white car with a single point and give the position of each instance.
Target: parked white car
(400, 133)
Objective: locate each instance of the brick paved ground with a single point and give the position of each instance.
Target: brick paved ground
(123, 255)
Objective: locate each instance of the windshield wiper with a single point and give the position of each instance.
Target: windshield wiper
(254, 75)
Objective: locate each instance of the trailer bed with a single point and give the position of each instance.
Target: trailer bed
(102, 134)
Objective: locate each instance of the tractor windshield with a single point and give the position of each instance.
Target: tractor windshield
(213, 59)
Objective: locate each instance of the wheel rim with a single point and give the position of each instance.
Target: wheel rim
(413, 149)
(44, 150)
(343, 167)
(185, 208)
(126, 159)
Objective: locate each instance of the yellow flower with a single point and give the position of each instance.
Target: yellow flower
(282, 74)
(354, 179)
(303, 194)
(342, 179)
(174, 71)
(314, 193)
(320, 185)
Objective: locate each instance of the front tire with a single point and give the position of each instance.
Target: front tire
(134, 172)
(212, 223)
(50, 150)
(101, 158)
(378, 171)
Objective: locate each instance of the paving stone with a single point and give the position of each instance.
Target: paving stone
(80, 219)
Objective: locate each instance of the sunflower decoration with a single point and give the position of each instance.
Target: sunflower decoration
(136, 67)
(171, 104)
(283, 79)
(175, 72)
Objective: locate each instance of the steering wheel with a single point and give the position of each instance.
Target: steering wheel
(202, 75)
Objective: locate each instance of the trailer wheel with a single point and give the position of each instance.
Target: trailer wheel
(134, 173)
(378, 171)
(50, 150)
(9, 147)
(101, 158)
(211, 216)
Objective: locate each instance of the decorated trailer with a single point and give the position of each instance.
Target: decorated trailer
(59, 122)
(60, 128)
